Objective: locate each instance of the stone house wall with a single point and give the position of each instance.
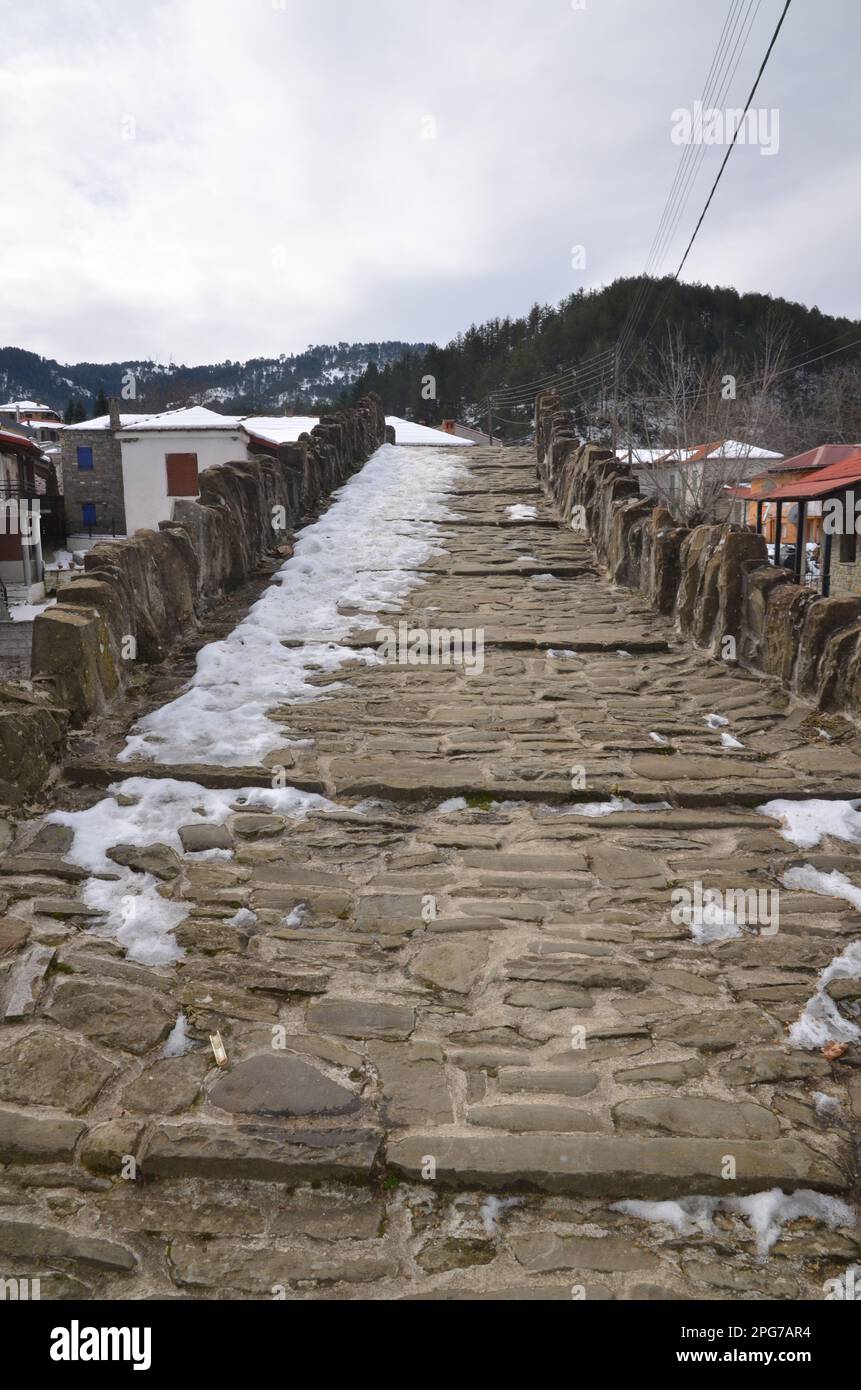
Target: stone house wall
(16, 645)
(845, 574)
(714, 581)
(102, 484)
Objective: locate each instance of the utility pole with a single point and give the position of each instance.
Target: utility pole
(630, 445)
(490, 417)
(615, 396)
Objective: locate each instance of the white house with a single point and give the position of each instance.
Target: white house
(162, 456)
(687, 474)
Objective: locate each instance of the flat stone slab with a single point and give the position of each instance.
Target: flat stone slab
(612, 1167)
(361, 1018)
(37, 1138)
(189, 1148)
(276, 1084)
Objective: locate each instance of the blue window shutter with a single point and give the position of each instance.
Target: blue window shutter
(85, 456)
(88, 513)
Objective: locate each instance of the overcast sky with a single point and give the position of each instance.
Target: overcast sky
(210, 179)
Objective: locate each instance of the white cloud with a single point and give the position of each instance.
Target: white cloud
(279, 189)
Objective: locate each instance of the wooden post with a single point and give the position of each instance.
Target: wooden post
(778, 527)
(825, 564)
(800, 539)
(759, 518)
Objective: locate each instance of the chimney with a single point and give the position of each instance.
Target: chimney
(114, 413)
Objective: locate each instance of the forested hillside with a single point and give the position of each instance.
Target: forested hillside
(713, 326)
(263, 385)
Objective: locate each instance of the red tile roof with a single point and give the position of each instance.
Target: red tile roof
(821, 457)
(19, 442)
(825, 482)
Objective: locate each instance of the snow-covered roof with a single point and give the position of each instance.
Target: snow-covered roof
(103, 422)
(279, 429)
(194, 417)
(407, 432)
(286, 429)
(725, 449)
(27, 405)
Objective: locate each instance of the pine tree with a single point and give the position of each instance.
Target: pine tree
(101, 406)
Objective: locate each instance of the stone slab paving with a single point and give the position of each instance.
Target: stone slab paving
(456, 1038)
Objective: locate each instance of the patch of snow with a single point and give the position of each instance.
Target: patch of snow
(362, 553)
(821, 1021)
(543, 578)
(297, 916)
(136, 915)
(716, 721)
(491, 1210)
(620, 652)
(454, 803)
(658, 738)
(178, 1042)
(805, 823)
(243, 918)
(727, 741)
(686, 1217)
(826, 1106)
(521, 512)
(26, 612)
(559, 652)
(765, 1212)
(833, 885)
(715, 923)
(616, 803)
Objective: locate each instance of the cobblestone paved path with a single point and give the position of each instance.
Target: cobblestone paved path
(456, 1038)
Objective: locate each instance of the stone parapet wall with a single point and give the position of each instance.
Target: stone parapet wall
(151, 586)
(714, 581)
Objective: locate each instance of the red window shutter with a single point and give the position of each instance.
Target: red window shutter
(181, 475)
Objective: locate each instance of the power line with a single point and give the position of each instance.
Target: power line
(725, 160)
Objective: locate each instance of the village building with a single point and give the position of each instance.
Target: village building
(23, 483)
(122, 473)
(824, 507)
(93, 476)
(686, 477)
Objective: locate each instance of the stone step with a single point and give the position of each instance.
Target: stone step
(587, 1165)
(88, 773)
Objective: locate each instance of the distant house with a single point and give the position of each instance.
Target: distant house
(163, 455)
(23, 481)
(122, 473)
(703, 471)
(786, 505)
(93, 475)
(38, 422)
(29, 413)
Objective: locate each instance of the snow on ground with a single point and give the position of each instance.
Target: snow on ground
(136, 915)
(821, 1021)
(520, 512)
(26, 612)
(178, 1042)
(765, 1212)
(727, 741)
(616, 803)
(716, 721)
(356, 563)
(454, 803)
(806, 822)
